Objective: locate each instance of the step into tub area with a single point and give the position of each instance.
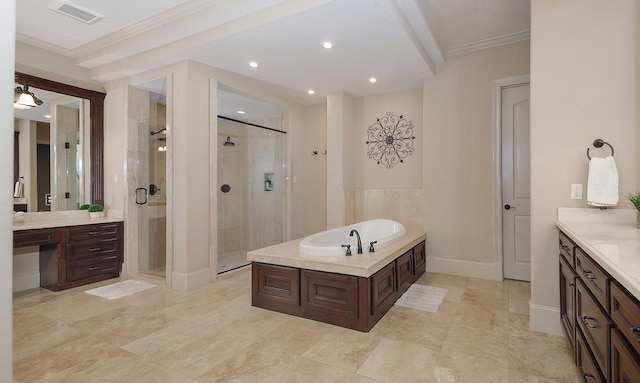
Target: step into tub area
(349, 291)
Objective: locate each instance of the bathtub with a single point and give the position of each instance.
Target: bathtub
(329, 242)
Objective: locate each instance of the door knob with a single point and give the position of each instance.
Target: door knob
(508, 207)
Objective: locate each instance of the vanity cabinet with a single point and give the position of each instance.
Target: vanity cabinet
(600, 317)
(72, 256)
(568, 290)
(343, 300)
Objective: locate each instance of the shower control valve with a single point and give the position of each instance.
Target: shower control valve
(348, 249)
(371, 249)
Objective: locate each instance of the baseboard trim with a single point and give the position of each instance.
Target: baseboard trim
(26, 281)
(492, 271)
(186, 282)
(545, 319)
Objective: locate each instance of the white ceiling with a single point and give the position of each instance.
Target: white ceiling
(400, 42)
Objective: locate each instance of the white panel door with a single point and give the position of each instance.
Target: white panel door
(515, 182)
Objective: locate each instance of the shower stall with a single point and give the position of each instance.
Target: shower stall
(251, 190)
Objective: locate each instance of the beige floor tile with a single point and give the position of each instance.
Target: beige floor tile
(81, 350)
(42, 342)
(345, 349)
(420, 327)
(481, 316)
(195, 358)
(147, 372)
(115, 366)
(213, 334)
(75, 306)
(258, 363)
(451, 371)
(399, 361)
(542, 355)
(310, 371)
(461, 347)
(123, 325)
(297, 334)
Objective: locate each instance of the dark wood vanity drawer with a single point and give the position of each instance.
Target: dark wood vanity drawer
(594, 277)
(567, 247)
(625, 366)
(91, 267)
(102, 247)
(93, 232)
(404, 265)
(34, 237)
(594, 324)
(585, 362)
(625, 312)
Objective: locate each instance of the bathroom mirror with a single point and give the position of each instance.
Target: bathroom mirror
(89, 106)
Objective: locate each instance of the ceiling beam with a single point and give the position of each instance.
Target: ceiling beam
(414, 18)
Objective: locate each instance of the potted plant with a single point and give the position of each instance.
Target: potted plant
(96, 211)
(634, 198)
(85, 207)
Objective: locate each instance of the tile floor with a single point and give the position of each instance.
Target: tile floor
(212, 334)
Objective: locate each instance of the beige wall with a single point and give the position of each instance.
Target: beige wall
(310, 172)
(459, 146)
(582, 66)
(7, 50)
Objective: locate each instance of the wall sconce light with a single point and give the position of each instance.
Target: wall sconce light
(23, 99)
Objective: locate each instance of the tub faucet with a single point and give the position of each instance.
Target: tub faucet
(359, 242)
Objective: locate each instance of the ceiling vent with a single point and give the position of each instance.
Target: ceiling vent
(76, 11)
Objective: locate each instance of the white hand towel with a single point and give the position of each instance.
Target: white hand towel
(602, 186)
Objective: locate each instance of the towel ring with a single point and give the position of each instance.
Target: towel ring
(598, 144)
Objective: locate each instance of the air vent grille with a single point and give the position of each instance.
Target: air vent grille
(76, 11)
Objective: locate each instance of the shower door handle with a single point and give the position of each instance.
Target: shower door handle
(144, 192)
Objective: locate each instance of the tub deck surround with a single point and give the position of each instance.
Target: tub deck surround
(349, 291)
(360, 265)
(610, 238)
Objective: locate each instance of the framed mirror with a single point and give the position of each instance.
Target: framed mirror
(95, 128)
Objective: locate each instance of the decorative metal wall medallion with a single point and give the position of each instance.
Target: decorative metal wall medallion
(390, 140)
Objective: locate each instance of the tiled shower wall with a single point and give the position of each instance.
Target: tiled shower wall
(402, 205)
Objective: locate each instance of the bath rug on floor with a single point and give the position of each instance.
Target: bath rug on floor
(421, 297)
(120, 289)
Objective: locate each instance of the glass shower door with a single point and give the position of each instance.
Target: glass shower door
(150, 197)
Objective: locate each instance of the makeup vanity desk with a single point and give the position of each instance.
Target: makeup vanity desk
(73, 251)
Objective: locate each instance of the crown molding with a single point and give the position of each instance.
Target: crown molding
(488, 43)
(43, 45)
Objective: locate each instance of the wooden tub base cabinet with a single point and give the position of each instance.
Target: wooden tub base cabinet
(344, 300)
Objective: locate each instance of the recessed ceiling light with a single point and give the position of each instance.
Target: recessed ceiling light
(327, 45)
(241, 112)
(47, 116)
(311, 91)
(373, 79)
(253, 64)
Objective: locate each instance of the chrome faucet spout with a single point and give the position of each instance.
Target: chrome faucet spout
(359, 242)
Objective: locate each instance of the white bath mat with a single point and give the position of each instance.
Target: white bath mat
(421, 297)
(120, 289)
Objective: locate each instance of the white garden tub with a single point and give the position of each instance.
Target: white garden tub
(330, 242)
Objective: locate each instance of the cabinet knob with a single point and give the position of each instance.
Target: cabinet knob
(634, 332)
(586, 320)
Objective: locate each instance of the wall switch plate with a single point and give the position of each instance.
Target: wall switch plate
(576, 191)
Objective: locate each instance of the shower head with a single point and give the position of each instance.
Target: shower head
(158, 132)
(228, 142)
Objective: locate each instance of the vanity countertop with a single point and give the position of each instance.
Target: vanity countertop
(44, 220)
(360, 265)
(610, 238)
